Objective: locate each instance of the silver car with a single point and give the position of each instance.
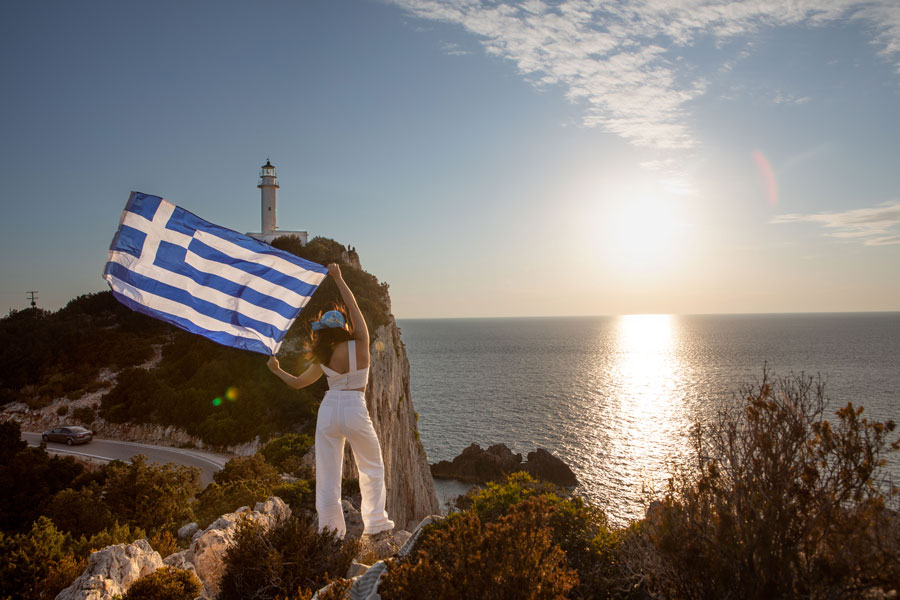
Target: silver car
(70, 435)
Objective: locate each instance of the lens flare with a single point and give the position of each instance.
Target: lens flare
(231, 394)
(768, 175)
(217, 401)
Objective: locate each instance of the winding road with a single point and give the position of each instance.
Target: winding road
(107, 450)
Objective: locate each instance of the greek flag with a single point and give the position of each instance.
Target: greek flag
(172, 265)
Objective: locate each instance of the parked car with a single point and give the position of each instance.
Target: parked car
(70, 435)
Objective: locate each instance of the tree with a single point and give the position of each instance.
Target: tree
(29, 477)
(80, 511)
(149, 495)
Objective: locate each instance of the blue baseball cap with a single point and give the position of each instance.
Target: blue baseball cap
(331, 319)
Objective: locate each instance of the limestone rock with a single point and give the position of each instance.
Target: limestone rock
(188, 531)
(356, 569)
(410, 488)
(111, 570)
(206, 553)
(546, 467)
(479, 466)
(353, 521)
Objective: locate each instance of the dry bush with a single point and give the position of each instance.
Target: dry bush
(581, 530)
(463, 557)
(166, 583)
(292, 555)
(780, 502)
(163, 542)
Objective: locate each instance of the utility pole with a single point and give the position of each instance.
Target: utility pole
(33, 298)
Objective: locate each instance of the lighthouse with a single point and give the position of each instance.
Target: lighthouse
(268, 188)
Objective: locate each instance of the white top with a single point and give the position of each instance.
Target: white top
(352, 379)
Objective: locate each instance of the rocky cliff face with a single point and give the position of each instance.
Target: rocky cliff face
(410, 488)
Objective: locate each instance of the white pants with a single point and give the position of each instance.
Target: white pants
(343, 415)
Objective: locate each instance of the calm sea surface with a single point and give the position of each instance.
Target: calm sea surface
(615, 396)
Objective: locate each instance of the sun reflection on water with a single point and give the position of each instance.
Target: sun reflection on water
(647, 399)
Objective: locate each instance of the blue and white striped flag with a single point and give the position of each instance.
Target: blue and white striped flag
(172, 265)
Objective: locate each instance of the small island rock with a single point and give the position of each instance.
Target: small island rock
(546, 467)
(479, 466)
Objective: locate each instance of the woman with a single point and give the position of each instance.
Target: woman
(342, 354)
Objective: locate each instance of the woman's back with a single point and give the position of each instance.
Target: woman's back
(340, 358)
(348, 368)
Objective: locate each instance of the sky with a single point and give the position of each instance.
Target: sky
(486, 158)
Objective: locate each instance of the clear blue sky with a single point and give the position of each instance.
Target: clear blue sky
(486, 159)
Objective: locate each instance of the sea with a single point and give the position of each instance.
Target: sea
(615, 397)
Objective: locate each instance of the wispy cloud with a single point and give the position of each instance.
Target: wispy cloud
(784, 98)
(620, 57)
(875, 226)
(454, 49)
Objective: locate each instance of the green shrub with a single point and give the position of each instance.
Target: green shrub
(29, 477)
(463, 557)
(62, 410)
(149, 495)
(112, 535)
(80, 511)
(582, 531)
(300, 494)
(286, 453)
(780, 503)
(243, 481)
(84, 414)
(167, 583)
(265, 564)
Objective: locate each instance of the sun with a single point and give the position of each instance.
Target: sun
(644, 232)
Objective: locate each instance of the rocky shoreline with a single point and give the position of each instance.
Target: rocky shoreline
(476, 465)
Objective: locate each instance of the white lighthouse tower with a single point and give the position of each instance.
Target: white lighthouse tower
(268, 186)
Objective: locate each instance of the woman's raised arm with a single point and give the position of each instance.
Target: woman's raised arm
(360, 332)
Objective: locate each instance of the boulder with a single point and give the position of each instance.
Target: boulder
(546, 467)
(206, 554)
(111, 570)
(188, 531)
(479, 466)
(353, 521)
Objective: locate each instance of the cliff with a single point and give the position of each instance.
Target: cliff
(410, 488)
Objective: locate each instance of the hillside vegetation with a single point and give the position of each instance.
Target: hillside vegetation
(221, 395)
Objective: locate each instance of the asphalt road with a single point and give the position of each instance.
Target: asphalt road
(107, 450)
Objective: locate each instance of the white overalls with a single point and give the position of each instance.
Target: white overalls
(343, 415)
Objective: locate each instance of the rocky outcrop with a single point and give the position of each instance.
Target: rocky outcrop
(480, 466)
(410, 488)
(111, 570)
(206, 553)
(546, 467)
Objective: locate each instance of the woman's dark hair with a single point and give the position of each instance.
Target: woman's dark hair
(322, 342)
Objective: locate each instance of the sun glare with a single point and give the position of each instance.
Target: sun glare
(644, 232)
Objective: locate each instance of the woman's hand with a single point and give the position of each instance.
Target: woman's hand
(334, 270)
(273, 364)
